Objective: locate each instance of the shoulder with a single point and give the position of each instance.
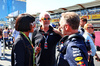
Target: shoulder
(76, 40)
(85, 35)
(18, 41)
(35, 32)
(57, 32)
(3, 30)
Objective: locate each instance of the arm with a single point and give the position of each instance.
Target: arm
(93, 49)
(3, 33)
(19, 53)
(58, 32)
(38, 48)
(75, 56)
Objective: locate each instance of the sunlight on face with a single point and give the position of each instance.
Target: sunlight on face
(62, 25)
(46, 22)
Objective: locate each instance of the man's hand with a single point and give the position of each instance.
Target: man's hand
(38, 49)
(58, 32)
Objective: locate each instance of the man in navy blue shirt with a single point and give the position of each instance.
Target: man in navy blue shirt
(75, 53)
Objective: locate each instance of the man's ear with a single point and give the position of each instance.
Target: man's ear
(86, 28)
(85, 22)
(66, 27)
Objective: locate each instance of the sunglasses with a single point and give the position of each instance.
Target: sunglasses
(91, 27)
(45, 18)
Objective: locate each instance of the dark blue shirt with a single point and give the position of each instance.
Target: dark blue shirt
(76, 53)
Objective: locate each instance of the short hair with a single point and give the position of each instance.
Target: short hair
(84, 19)
(72, 19)
(23, 22)
(6, 27)
(42, 14)
(87, 25)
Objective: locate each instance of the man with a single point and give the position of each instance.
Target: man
(73, 52)
(83, 21)
(47, 38)
(5, 36)
(88, 37)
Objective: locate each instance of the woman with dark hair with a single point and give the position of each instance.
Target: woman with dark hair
(23, 51)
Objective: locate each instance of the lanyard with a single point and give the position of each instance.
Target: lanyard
(32, 47)
(45, 44)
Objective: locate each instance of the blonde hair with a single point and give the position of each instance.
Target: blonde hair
(87, 25)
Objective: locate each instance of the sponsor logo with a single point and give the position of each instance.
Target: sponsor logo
(78, 58)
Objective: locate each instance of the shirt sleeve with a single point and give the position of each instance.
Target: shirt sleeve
(93, 49)
(75, 56)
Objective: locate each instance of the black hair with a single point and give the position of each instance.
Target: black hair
(84, 20)
(23, 22)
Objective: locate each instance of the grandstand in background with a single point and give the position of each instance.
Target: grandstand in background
(11, 9)
(90, 10)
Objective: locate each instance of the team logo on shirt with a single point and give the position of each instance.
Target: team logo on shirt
(80, 63)
(78, 58)
(51, 33)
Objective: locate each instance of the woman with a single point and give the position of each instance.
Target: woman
(23, 52)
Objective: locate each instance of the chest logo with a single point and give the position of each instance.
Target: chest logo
(51, 33)
(78, 58)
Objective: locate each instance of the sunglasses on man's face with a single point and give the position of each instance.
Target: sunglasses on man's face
(45, 18)
(91, 27)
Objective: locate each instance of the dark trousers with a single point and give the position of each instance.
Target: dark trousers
(5, 40)
(91, 61)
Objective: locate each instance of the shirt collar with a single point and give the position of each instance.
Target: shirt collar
(88, 33)
(50, 29)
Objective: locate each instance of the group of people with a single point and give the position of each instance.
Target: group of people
(7, 37)
(40, 49)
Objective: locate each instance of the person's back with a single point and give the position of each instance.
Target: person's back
(5, 36)
(5, 33)
(75, 49)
